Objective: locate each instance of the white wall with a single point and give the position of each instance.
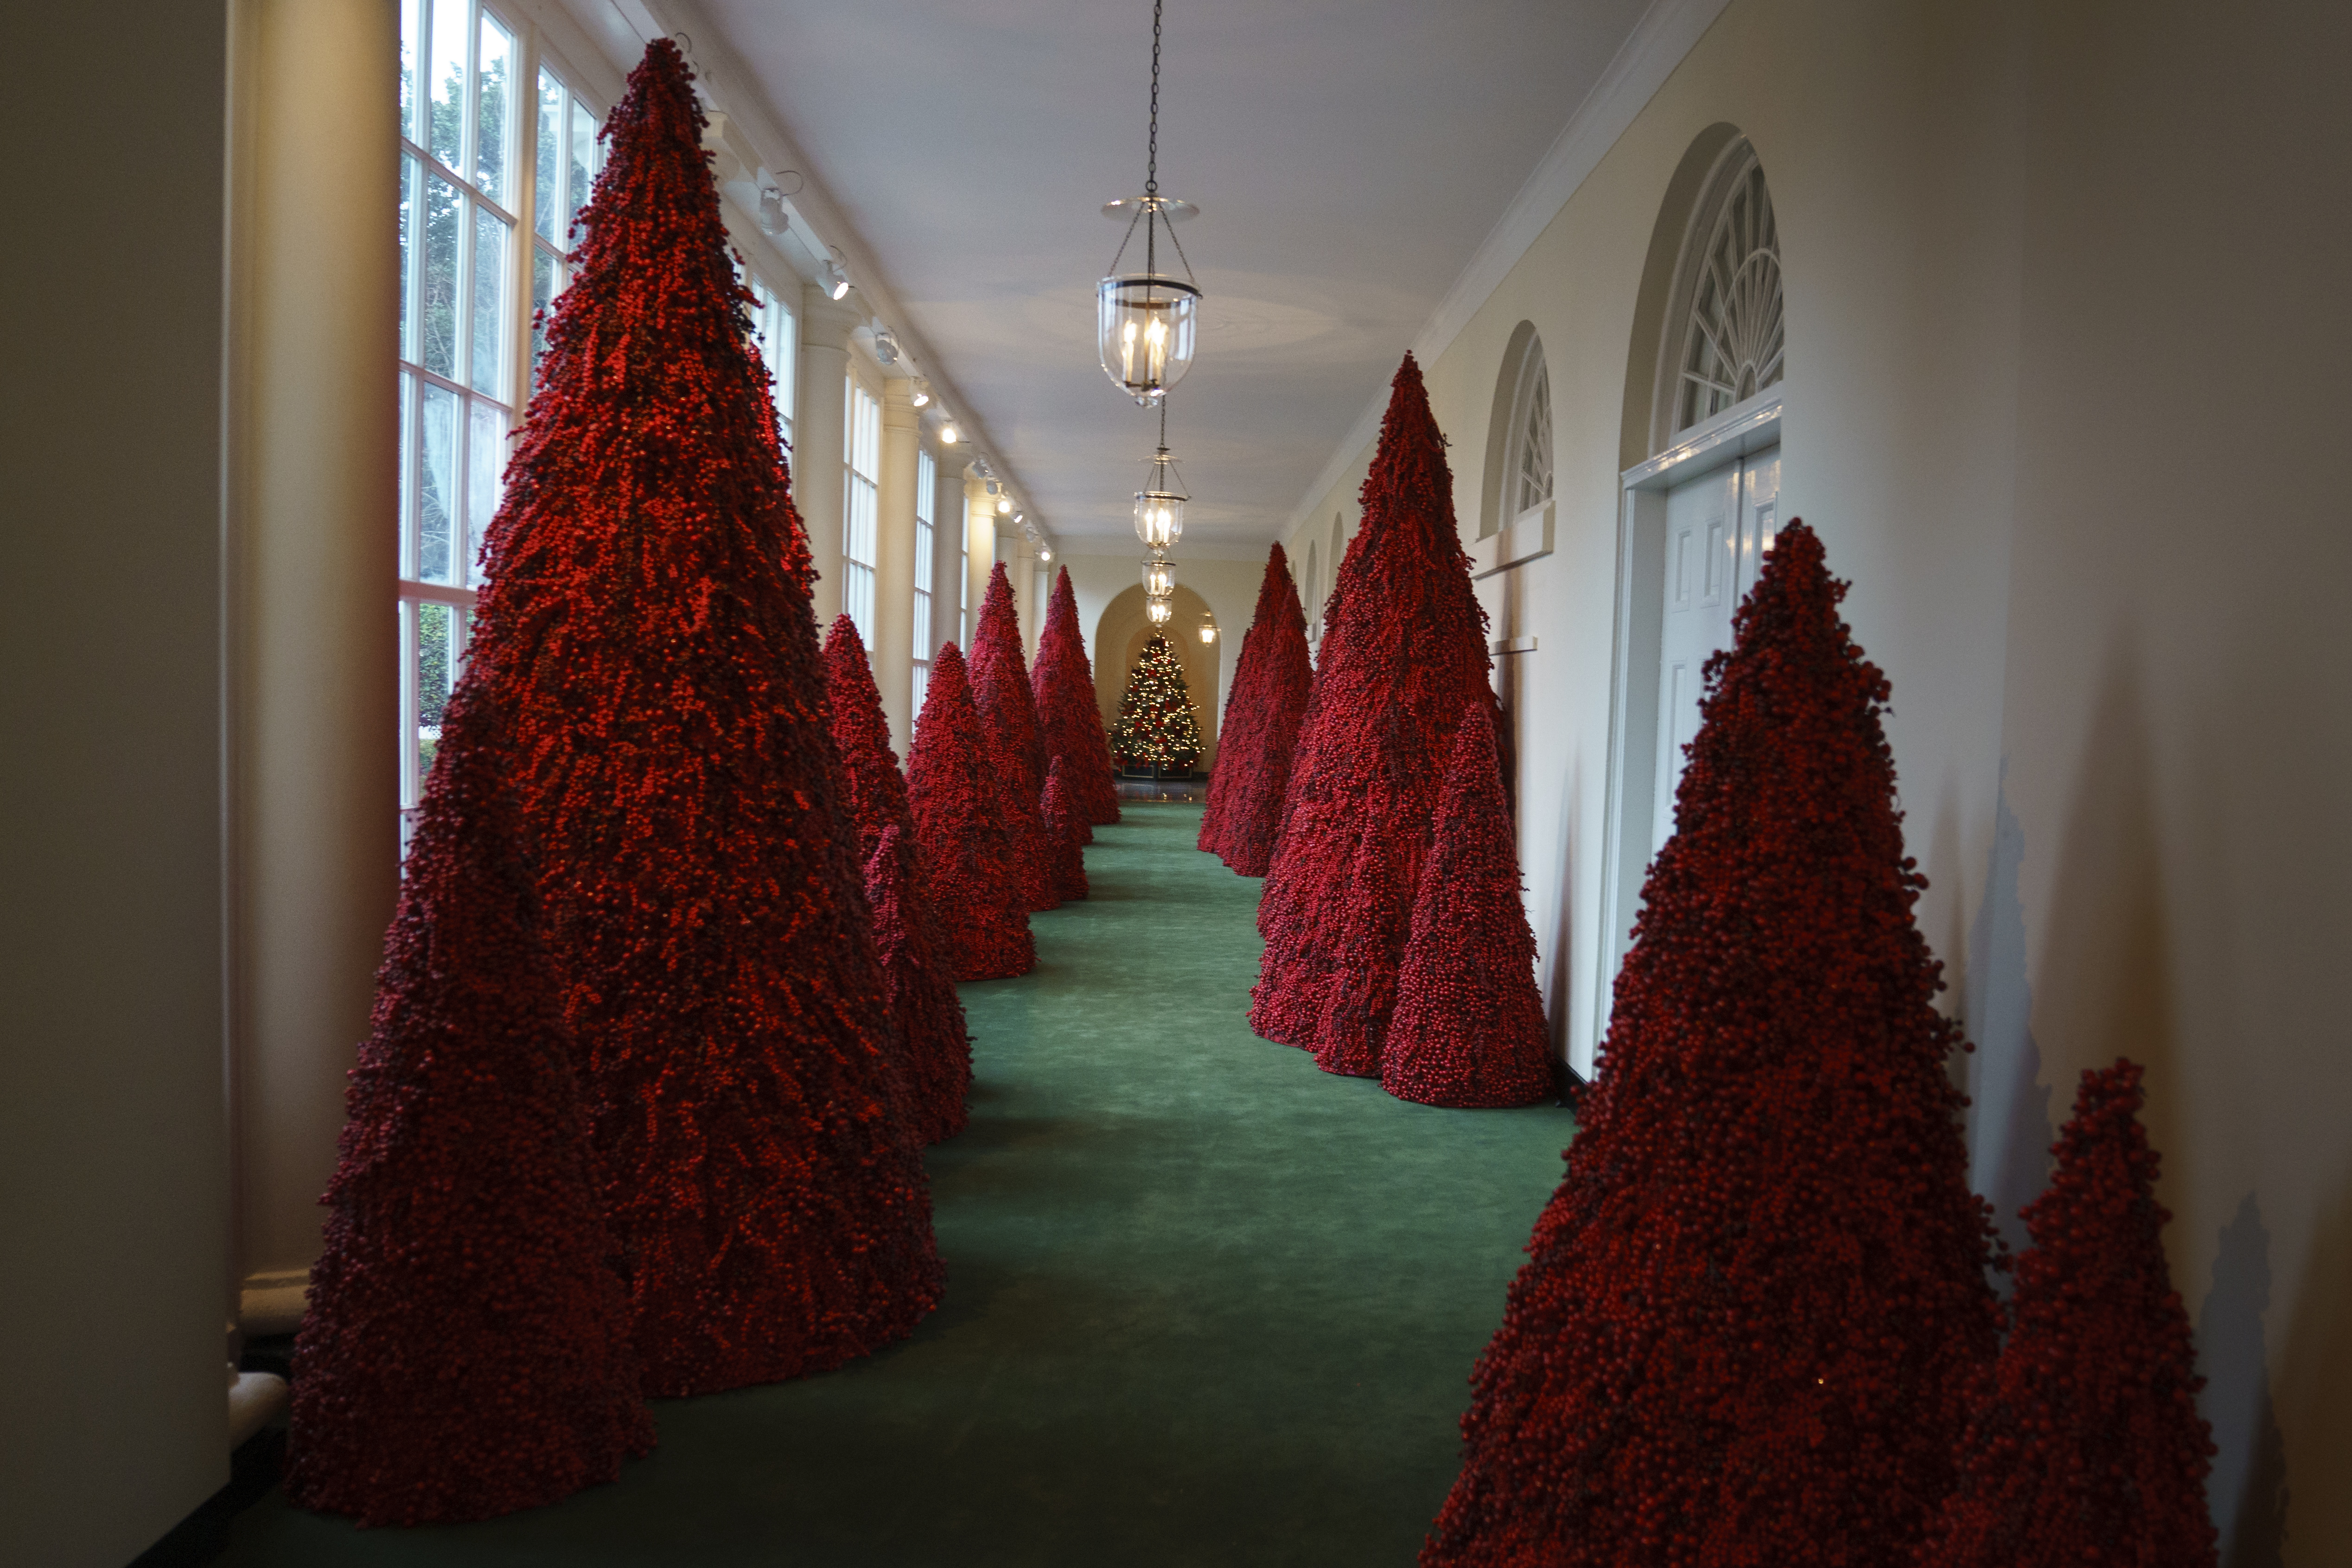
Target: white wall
(2063, 330)
(113, 1157)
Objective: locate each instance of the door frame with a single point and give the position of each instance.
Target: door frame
(1736, 433)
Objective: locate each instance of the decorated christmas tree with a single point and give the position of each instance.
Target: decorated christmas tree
(1156, 729)
(1404, 654)
(1271, 683)
(968, 844)
(1754, 1312)
(1063, 685)
(1063, 827)
(467, 1351)
(1008, 718)
(1468, 1028)
(935, 1073)
(646, 634)
(935, 1063)
(2087, 1447)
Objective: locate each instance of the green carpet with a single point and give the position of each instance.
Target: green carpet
(1206, 1305)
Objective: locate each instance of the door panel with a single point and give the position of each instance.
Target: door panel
(1702, 537)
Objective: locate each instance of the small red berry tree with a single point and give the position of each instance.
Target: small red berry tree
(935, 1063)
(2088, 1446)
(1263, 730)
(1063, 827)
(1228, 734)
(968, 843)
(1469, 1027)
(467, 1351)
(1402, 657)
(1063, 685)
(1754, 1310)
(647, 633)
(1008, 718)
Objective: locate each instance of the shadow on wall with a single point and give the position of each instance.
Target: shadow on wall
(2009, 1131)
(1119, 640)
(2248, 1487)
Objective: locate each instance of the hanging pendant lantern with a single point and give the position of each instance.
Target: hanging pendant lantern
(1159, 612)
(1159, 578)
(1146, 322)
(1160, 504)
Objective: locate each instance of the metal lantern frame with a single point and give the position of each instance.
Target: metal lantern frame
(1160, 504)
(1147, 323)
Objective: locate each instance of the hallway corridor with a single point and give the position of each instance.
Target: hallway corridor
(1205, 1304)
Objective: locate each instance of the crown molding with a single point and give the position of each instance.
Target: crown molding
(1660, 41)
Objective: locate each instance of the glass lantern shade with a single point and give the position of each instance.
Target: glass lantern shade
(1159, 578)
(1159, 612)
(1144, 325)
(1158, 519)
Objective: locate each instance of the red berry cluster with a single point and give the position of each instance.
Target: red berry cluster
(1008, 718)
(467, 1349)
(1067, 715)
(1064, 828)
(2087, 1447)
(1756, 1309)
(935, 1051)
(1252, 776)
(647, 634)
(1469, 1027)
(1404, 655)
(970, 841)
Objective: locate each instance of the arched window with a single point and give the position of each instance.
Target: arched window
(1529, 464)
(1733, 334)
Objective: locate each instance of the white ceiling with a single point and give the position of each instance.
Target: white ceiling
(1349, 156)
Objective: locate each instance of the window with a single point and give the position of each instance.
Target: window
(466, 206)
(861, 441)
(963, 582)
(775, 326)
(1529, 470)
(1735, 337)
(925, 488)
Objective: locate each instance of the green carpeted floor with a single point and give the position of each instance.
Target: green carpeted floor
(1206, 1305)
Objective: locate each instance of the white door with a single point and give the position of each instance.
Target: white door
(1719, 528)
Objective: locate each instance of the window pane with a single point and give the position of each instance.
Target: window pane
(436, 300)
(488, 323)
(410, 177)
(783, 364)
(490, 115)
(445, 70)
(407, 566)
(486, 461)
(550, 197)
(436, 663)
(545, 272)
(408, 26)
(437, 499)
(923, 648)
(584, 169)
(923, 685)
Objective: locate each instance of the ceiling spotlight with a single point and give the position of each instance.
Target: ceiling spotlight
(948, 436)
(1003, 504)
(885, 345)
(919, 392)
(836, 281)
(772, 216)
(1047, 554)
(1018, 516)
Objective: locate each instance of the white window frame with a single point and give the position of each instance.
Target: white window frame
(777, 327)
(963, 581)
(861, 463)
(927, 470)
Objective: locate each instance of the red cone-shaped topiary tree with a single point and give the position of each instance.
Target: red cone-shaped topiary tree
(647, 634)
(1008, 718)
(1062, 826)
(1756, 1309)
(467, 1350)
(935, 1066)
(1236, 699)
(1404, 655)
(1263, 734)
(1067, 715)
(936, 1071)
(968, 845)
(2087, 1447)
(1469, 1027)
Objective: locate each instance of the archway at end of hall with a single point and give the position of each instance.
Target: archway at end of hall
(1119, 639)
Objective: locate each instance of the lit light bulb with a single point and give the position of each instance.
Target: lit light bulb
(1158, 611)
(1046, 555)
(1003, 505)
(836, 281)
(919, 394)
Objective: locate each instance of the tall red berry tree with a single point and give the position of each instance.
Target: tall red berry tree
(935, 1073)
(647, 630)
(1469, 1027)
(968, 842)
(1404, 656)
(935, 1065)
(1262, 736)
(1008, 717)
(1063, 827)
(467, 1350)
(1754, 1312)
(2087, 1447)
(1236, 699)
(1063, 685)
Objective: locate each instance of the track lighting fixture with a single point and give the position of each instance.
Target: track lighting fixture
(886, 347)
(836, 281)
(772, 216)
(919, 392)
